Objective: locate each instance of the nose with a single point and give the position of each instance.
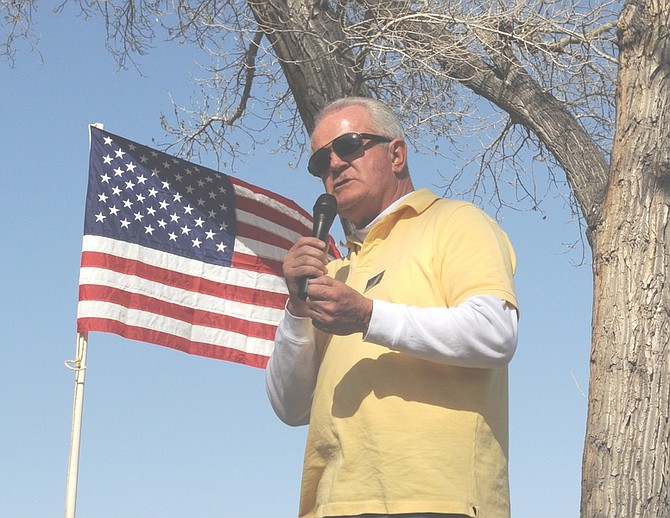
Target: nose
(337, 164)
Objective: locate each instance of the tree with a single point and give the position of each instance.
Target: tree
(583, 86)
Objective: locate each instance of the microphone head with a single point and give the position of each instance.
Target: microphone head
(326, 207)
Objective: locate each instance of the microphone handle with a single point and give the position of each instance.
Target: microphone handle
(302, 288)
(320, 230)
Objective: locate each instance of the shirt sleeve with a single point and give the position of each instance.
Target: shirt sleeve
(290, 375)
(480, 332)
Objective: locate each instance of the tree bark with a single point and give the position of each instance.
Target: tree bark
(311, 49)
(626, 464)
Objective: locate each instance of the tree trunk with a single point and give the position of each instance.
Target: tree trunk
(626, 465)
(319, 67)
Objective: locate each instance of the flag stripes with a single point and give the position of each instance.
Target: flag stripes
(179, 255)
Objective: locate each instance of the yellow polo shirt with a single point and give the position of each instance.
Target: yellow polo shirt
(392, 433)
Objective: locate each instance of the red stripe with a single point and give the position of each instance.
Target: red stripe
(270, 213)
(171, 310)
(282, 200)
(174, 342)
(256, 264)
(264, 236)
(183, 281)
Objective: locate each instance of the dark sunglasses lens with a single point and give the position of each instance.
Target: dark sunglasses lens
(344, 145)
(319, 162)
(347, 144)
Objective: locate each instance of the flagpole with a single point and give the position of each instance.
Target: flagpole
(79, 366)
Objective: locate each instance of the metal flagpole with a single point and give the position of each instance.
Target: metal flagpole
(79, 366)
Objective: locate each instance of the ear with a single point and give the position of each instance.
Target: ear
(398, 152)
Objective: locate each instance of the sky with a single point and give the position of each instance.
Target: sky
(166, 434)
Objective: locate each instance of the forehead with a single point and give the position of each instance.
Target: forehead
(345, 120)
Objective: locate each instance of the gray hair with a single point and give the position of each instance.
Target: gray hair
(383, 120)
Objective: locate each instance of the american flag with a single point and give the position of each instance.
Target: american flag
(179, 255)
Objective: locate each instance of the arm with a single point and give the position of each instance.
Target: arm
(481, 332)
(290, 375)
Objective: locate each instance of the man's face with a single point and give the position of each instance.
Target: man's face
(363, 183)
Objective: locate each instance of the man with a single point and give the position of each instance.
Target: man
(398, 357)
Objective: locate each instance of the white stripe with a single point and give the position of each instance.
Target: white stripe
(137, 318)
(272, 202)
(159, 259)
(178, 296)
(270, 226)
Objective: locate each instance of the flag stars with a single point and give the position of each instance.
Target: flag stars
(156, 199)
(107, 141)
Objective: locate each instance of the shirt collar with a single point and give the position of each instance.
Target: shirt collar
(418, 200)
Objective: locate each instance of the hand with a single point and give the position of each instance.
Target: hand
(336, 308)
(306, 258)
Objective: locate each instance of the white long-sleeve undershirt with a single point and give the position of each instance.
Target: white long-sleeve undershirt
(479, 333)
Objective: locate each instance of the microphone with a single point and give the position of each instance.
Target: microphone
(325, 210)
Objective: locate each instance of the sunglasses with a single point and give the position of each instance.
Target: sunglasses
(343, 146)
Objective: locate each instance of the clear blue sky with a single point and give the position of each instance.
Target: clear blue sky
(166, 434)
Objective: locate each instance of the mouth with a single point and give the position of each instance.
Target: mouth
(340, 183)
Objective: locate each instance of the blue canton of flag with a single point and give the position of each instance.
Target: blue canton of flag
(159, 201)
